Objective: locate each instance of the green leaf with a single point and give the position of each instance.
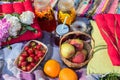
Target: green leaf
(30, 28)
(1, 17)
(22, 31)
(16, 15)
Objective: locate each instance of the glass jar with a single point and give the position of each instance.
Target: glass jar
(60, 31)
(45, 15)
(66, 9)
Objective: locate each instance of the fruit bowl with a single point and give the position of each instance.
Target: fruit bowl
(75, 49)
(32, 54)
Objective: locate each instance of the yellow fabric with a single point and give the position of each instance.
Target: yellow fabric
(100, 63)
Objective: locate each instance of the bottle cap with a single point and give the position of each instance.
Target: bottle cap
(62, 29)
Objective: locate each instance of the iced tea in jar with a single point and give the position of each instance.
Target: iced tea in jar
(66, 9)
(45, 14)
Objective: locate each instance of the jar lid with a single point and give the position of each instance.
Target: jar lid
(65, 5)
(62, 29)
(79, 26)
(41, 3)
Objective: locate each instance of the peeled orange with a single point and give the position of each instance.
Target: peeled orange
(67, 74)
(52, 68)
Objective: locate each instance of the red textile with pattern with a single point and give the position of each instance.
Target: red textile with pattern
(110, 23)
(19, 7)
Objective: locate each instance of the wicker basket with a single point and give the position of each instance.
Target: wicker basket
(86, 40)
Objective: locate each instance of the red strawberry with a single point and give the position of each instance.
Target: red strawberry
(32, 55)
(30, 59)
(26, 48)
(32, 64)
(34, 48)
(23, 63)
(36, 58)
(19, 64)
(24, 68)
(24, 54)
(21, 58)
(39, 53)
(29, 67)
(43, 51)
(30, 51)
(38, 46)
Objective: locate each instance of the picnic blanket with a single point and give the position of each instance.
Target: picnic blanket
(109, 25)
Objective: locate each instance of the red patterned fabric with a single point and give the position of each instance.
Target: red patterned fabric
(110, 23)
(19, 7)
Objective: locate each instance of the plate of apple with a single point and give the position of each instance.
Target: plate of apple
(32, 54)
(75, 50)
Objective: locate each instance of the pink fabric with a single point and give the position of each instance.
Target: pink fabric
(113, 7)
(87, 7)
(83, 7)
(100, 7)
(19, 8)
(106, 22)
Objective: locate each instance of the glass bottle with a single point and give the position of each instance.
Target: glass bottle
(66, 9)
(61, 29)
(45, 15)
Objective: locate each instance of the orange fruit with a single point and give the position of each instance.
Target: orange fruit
(67, 74)
(52, 68)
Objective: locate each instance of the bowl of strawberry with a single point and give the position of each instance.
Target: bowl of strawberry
(32, 54)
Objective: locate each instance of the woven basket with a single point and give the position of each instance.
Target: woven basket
(86, 40)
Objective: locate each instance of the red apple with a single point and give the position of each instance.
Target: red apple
(79, 57)
(77, 43)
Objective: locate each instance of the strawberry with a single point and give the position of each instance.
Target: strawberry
(32, 55)
(24, 54)
(32, 64)
(24, 68)
(26, 48)
(23, 63)
(30, 51)
(32, 43)
(39, 53)
(43, 51)
(29, 67)
(36, 59)
(19, 64)
(34, 48)
(30, 59)
(38, 46)
(21, 58)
